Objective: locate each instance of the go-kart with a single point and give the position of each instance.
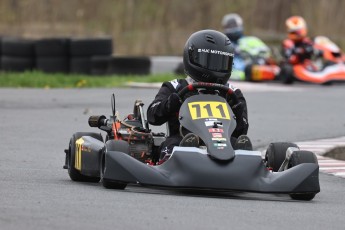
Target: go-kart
(326, 66)
(129, 156)
(330, 52)
(253, 62)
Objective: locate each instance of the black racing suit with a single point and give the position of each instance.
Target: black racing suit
(157, 114)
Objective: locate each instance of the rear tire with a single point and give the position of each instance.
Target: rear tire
(248, 72)
(276, 153)
(113, 145)
(286, 75)
(74, 173)
(300, 157)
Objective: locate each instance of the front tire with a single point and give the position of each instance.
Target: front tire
(300, 157)
(74, 173)
(112, 145)
(276, 153)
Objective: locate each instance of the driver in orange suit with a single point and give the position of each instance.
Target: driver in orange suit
(298, 46)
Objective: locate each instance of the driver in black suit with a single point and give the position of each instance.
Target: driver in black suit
(208, 57)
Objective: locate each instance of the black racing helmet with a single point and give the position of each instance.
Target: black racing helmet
(208, 57)
(233, 26)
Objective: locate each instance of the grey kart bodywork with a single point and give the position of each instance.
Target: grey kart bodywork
(90, 154)
(192, 168)
(217, 166)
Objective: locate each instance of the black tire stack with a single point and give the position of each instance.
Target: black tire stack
(86, 51)
(52, 55)
(130, 65)
(68, 55)
(17, 54)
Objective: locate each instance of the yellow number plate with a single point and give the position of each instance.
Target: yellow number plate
(208, 109)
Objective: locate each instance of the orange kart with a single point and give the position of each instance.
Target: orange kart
(327, 67)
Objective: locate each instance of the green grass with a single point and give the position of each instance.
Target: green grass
(36, 79)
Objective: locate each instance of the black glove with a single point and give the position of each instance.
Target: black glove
(236, 106)
(174, 103)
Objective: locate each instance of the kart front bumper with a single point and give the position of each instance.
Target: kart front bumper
(194, 170)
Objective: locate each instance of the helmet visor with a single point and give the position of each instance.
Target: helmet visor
(214, 60)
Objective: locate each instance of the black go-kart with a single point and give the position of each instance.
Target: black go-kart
(129, 155)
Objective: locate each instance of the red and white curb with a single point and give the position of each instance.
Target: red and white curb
(331, 166)
(320, 148)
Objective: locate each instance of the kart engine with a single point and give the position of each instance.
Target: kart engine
(133, 129)
(140, 141)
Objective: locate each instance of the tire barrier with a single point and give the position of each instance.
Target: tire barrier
(80, 65)
(86, 47)
(82, 51)
(56, 55)
(53, 64)
(16, 64)
(52, 55)
(52, 47)
(100, 65)
(130, 65)
(74, 55)
(17, 54)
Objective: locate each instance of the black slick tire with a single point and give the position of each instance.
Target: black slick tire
(276, 153)
(300, 157)
(112, 145)
(286, 74)
(248, 72)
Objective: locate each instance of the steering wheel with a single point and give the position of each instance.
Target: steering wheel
(208, 86)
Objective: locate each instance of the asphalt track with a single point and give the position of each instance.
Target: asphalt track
(36, 193)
